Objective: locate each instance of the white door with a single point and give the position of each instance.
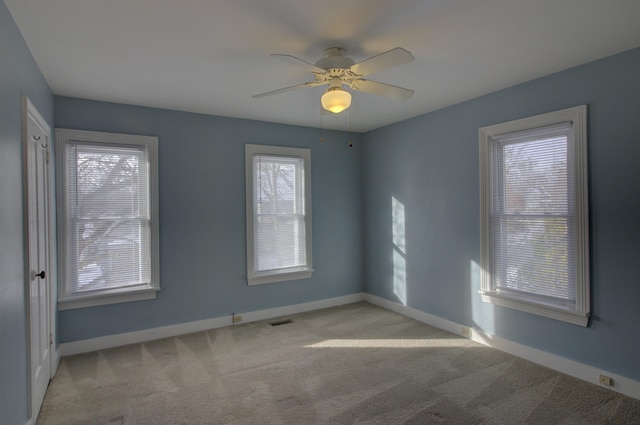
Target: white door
(37, 136)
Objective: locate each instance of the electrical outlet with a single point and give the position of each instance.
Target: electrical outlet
(606, 380)
(465, 332)
(236, 318)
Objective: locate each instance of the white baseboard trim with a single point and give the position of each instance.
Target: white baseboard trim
(622, 385)
(56, 361)
(110, 341)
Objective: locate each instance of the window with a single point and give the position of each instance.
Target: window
(534, 232)
(278, 213)
(108, 218)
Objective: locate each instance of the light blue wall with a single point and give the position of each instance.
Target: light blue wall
(202, 217)
(430, 165)
(19, 75)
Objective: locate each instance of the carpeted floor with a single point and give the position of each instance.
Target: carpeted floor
(355, 364)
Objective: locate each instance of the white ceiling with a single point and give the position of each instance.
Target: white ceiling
(211, 56)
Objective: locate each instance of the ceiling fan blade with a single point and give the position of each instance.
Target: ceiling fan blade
(391, 58)
(381, 89)
(299, 62)
(286, 89)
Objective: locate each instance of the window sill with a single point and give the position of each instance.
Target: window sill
(557, 312)
(279, 276)
(112, 297)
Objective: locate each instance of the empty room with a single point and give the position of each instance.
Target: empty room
(302, 212)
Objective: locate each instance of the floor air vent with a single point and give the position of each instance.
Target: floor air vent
(280, 322)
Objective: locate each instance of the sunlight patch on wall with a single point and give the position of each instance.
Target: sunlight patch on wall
(482, 313)
(400, 276)
(399, 250)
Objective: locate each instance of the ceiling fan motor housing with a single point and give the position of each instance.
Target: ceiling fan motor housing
(334, 58)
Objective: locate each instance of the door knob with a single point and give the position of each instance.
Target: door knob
(40, 275)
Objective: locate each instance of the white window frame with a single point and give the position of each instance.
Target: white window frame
(255, 277)
(67, 299)
(579, 312)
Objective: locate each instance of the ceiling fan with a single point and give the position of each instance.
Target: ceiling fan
(337, 70)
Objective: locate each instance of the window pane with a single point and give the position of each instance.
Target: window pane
(108, 182)
(111, 254)
(279, 185)
(535, 256)
(280, 242)
(534, 177)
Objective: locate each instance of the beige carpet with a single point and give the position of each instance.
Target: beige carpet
(356, 364)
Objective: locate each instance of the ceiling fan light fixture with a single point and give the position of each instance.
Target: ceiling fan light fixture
(336, 100)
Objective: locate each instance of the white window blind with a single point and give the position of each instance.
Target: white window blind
(108, 217)
(278, 214)
(532, 213)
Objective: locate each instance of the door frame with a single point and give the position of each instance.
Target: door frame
(29, 111)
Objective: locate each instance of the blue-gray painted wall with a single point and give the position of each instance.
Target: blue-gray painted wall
(19, 75)
(202, 216)
(431, 165)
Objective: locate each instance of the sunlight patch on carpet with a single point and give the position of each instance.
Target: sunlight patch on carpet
(392, 343)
